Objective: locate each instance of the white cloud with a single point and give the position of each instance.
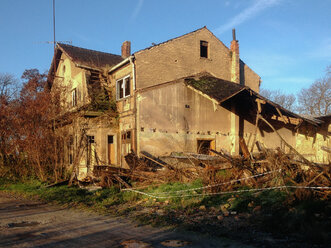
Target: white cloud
(137, 9)
(248, 13)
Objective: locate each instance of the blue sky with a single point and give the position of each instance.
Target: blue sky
(287, 42)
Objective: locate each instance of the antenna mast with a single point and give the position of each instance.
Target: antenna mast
(54, 24)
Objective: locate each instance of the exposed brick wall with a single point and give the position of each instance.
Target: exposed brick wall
(249, 78)
(126, 49)
(235, 67)
(180, 58)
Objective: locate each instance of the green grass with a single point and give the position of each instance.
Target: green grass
(280, 211)
(100, 199)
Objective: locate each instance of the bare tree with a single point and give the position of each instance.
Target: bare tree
(8, 86)
(285, 100)
(7, 117)
(316, 100)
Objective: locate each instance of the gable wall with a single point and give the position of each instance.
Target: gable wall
(68, 79)
(180, 58)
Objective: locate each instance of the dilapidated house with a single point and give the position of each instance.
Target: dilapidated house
(188, 94)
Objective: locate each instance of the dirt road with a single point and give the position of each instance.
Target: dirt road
(25, 223)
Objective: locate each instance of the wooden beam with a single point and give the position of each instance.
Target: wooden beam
(282, 116)
(157, 162)
(259, 102)
(292, 120)
(244, 148)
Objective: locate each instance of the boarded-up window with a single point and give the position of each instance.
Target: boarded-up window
(203, 49)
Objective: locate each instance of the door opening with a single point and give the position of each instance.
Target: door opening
(204, 146)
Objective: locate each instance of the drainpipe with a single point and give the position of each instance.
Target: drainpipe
(135, 110)
(235, 77)
(131, 59)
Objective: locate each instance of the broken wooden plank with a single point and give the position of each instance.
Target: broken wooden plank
(259, 102)
(153, 160)
(282, 116)
(120, 180)
(223, 155)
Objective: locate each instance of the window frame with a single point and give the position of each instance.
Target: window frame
(124, 87)
(204, 44)
(74, 97)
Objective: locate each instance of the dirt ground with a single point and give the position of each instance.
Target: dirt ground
(28, 223)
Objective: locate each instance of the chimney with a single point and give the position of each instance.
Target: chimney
(235, 65)
(126, 49)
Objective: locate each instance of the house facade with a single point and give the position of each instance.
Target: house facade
(188, 94)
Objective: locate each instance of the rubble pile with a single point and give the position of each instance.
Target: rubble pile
(221, 172)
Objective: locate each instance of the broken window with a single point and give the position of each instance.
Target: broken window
(74, 97)
(203, 49)
(123, 87)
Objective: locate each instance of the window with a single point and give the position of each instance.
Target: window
(110, 139)
(70, 149)
(90, 139)
(123, 87)
(74, 97)
(203, 49)
(91, 152)
(126, 142)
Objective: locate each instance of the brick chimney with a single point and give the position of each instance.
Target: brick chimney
(235, 65)
(126, 49)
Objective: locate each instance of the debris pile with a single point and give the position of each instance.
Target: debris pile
(222, 172)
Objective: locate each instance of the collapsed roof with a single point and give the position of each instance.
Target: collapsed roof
(223, 92)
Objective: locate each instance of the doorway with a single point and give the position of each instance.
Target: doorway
(204, 146)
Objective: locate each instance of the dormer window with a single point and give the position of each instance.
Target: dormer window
(203, 49)
(123, 87)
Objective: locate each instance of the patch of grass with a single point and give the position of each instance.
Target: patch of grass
(280, 212)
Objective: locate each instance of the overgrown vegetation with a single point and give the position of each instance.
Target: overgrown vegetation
(32, 142)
